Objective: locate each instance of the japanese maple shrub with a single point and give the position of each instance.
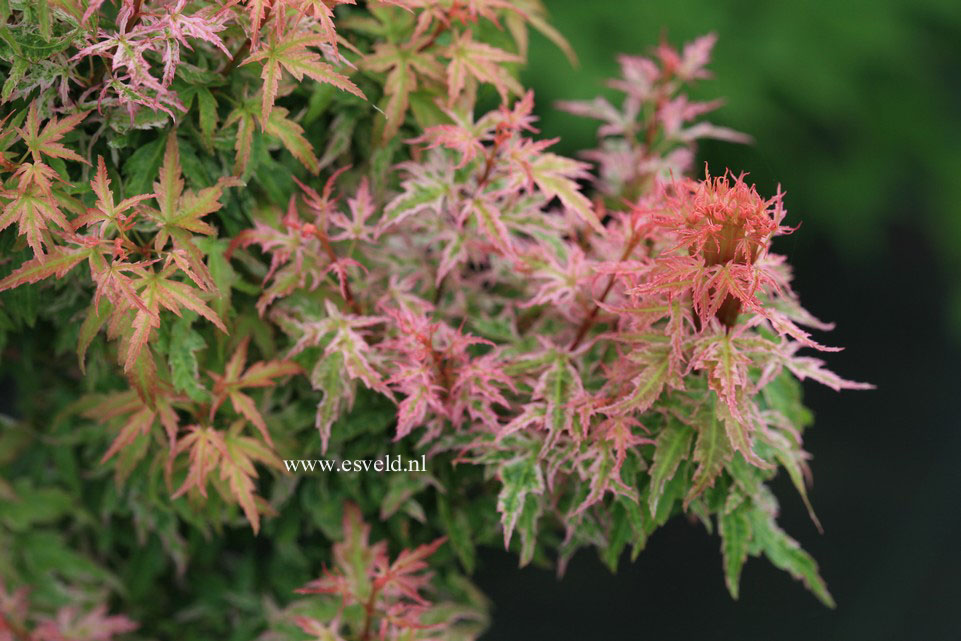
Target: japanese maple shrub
(286, 229)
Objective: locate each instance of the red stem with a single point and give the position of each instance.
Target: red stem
(438, 30)
(592, 317)
(135, 17)
(649, 135)
(369, 612)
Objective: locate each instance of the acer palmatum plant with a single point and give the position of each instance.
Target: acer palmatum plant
(285, 229)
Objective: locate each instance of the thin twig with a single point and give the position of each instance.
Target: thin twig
(369, 613)
(438, 30)
(592, 317)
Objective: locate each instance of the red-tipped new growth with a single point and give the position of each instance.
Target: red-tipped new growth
(390, 593)
(723, 221)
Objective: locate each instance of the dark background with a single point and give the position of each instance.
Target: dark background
(855, 107)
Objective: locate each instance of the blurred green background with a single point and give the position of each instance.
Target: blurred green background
(855, 107)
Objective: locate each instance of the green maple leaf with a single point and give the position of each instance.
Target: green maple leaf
(403, 66)
(157, 290)
(235, 378)
(472, 61)
(46, 141)
(56, 263)
(292, 54)
(181, 212)
(33, 211)
(292, 136)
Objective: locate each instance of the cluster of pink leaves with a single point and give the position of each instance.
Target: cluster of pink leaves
(651, 133)
(165, 28)
(392, 595)
(143, 51)
(18, 623)
(588, 321)
(133, 82)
